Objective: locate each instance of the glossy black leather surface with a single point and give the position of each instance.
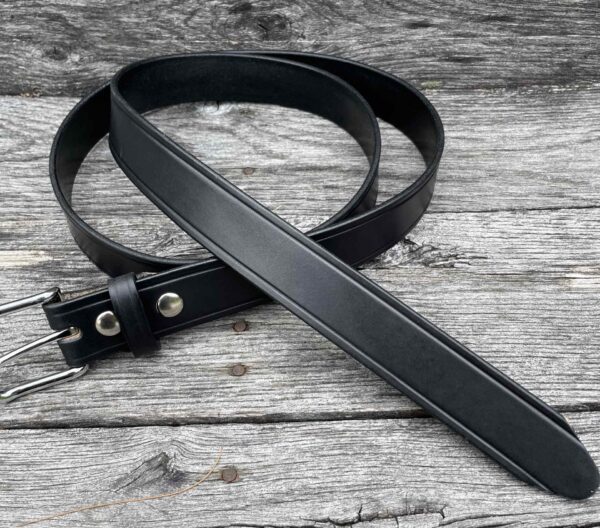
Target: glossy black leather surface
(260, 256)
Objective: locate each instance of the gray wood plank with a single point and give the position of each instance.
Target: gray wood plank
(520, 285)
(537, 322)
(57, 47)
(506, 260)
(362, 473)
(504, 150)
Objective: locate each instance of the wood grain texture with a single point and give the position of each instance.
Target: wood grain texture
(507, 260)
(56, 47)
(363, 474)
(519, 285)
(533, 315)
(535, 150)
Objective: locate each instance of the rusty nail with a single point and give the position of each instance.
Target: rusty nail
(229, 474)
(248, 170)
(238, 370)
(240, 326)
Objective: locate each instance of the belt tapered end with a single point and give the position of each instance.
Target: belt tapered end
(578, 477)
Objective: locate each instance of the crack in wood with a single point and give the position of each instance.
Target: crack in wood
(364, 516)
(159, 468)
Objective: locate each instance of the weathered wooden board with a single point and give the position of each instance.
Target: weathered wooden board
(518, 285)
(57, 47)
(362, 473)
(507, 260)
(535, 150)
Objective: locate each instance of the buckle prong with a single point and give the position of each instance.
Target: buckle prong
(56, 378)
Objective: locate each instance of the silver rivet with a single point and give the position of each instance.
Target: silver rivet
(169, 304)
(108, 324)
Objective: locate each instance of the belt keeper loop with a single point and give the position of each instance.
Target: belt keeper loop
(131, 315)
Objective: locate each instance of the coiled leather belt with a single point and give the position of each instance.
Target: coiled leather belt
(259, 256)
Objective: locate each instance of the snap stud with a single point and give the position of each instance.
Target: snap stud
(107, 324)
(169, 304)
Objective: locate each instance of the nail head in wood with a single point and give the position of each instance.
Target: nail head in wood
(238, 370)
(240, 326)
(229, 474)
(169, 304)
(107, 324)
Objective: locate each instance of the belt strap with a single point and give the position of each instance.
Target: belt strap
(259, 256)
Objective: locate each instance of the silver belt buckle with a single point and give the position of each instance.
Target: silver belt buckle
(48, 296)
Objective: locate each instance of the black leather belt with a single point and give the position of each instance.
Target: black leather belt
(259, 256)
